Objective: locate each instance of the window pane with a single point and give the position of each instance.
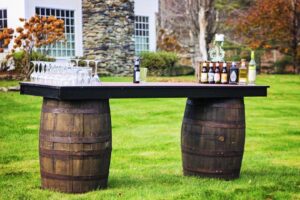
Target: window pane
(141, 34)
(67, 48)
(3, 22)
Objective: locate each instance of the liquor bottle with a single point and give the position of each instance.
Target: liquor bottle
(136, 70)
(217, 77)
(211, 73)
(233, 74)
(224, 75)
(243, 73)
(252, 70)
(204, 73)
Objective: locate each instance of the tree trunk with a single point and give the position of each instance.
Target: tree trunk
(202, 34)
(295, 37)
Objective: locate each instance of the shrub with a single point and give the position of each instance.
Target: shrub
(158, 60)
(280, 64)
(19, 58)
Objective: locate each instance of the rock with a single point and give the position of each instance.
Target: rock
(14, 89)
(3, 89)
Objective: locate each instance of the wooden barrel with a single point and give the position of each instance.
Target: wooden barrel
(75, 145)
(213, 138)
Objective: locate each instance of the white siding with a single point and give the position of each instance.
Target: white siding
(148, 8)
(15, 10)
(26, 9)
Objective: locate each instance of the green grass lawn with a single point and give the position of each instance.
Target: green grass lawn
(146, 157)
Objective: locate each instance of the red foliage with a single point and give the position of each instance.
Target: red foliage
(268, 24)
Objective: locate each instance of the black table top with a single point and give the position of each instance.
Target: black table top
(142, 90)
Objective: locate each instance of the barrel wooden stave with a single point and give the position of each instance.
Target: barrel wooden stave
(213, 137)
(75, 145)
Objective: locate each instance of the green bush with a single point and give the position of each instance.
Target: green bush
(19, 55)
(280, 64)
(158, 60)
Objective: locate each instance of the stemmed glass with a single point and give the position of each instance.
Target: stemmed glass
(33, 75)
(96, 78)
(76, 61)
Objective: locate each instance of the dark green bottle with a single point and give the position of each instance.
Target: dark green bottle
(234, 74)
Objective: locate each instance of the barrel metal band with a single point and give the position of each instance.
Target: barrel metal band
(227, 105)
(213, 124)
(192, 151)
(75, 140)
(72, 178)
(58, 133)
(71, 110)
(72, 154)
(216, 172)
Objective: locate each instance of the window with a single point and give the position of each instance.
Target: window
(3, 22)
(65, 48)
(141, 34)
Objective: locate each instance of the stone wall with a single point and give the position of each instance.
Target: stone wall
(108, 28)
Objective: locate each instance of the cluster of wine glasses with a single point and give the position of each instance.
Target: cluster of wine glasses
(64, 74)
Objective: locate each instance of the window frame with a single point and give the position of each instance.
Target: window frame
(141, 33)
(62, 49)
(3, 22)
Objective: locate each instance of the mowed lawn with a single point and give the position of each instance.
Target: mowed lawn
(146, 157)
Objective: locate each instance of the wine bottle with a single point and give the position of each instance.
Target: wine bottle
(204, 73)
(217, 76)
(136, 70)
(224, 75)
(252, 70)
(243, 73)
(233, 74)
(211, 73)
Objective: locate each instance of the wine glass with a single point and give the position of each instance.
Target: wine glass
(33, 75)
(96, 79)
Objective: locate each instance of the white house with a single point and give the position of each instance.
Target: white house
(71, 11)
(145, 25)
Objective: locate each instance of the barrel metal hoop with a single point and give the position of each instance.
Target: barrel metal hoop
(217, 171)
(75, 140)
(73, 178)
(72, 154)
(225, 105)
(193, 151)
(213, 124)
(68, 133)
(71, 110)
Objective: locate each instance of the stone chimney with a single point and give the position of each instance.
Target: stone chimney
(108, 29)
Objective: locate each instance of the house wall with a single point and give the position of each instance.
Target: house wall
(26, 8)
(75, 5)
(148, 8)
(108, 28)
(15, 10)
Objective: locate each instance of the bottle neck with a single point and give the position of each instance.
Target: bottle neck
(252, 55)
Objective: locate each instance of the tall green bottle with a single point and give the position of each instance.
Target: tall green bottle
(252, 70)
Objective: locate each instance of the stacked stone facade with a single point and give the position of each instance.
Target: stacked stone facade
(108, 29)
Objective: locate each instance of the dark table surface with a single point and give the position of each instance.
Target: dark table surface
(142, 90)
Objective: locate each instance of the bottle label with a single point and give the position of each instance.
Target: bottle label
(252, 67)
(203, 77)
(252, 76)
(137, 76)
(217, 77)
(233, 76)
(243, 76)
(224, 78)
(211, 77)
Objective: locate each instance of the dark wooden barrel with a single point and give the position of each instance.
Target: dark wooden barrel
(213, 138)
(75, 145)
